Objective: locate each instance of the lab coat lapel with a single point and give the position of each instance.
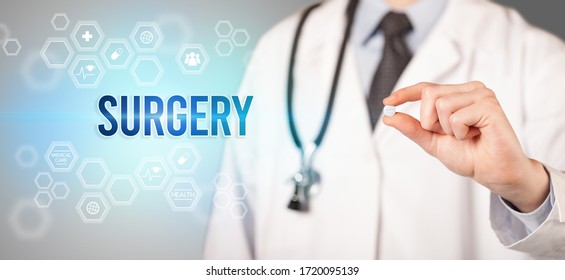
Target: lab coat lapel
(315, 65)
(432, 62)
(349, 118)
(437, 55)
(327, 229)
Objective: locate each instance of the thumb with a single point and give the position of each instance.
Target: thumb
(412, 129)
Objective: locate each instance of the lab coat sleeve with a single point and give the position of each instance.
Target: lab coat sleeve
(542, 57)
(532, 220)
(548, 240)
(229, 236)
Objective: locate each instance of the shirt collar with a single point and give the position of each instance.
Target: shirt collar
(423, 15)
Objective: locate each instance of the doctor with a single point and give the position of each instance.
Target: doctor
(465, 170)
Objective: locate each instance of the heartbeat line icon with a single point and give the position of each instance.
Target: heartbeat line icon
(83, 74)
(151, 173)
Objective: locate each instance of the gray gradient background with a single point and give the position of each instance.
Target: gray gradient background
(128, 236)
(546, 14)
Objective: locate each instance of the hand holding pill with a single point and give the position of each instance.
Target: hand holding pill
(464, 126)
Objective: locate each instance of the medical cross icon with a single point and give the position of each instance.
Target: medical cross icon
(87, 36)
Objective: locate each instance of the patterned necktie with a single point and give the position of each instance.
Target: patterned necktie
(396, 56)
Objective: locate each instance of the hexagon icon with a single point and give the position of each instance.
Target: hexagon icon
(87, 35)
(26, 156)
(146, 36)
(222, 181)
(238, 191)
(184, 158)
(29, 222)
(86, 71)
(57, 52)
(12, 46)
(223, 28)
(192, 59)
(43, 199)
(60, 21)
(61, 156)
(147, 71)
(238, 210)
(43, 180)
(93, 173)
(222, 200)
(93, 208)
(60, 190)
(117, 53)
(122, 190)
(152, 174)
(240, 37)
(224, 47)
(183, 194)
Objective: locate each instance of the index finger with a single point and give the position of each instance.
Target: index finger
(415, 92)
(407, 94)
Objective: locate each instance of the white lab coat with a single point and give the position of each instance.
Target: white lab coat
(382, 196)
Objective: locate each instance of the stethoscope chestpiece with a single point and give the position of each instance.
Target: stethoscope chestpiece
(304, 180)
(300, 199)
(297, 205)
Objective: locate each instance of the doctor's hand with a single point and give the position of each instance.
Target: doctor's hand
(465, 127)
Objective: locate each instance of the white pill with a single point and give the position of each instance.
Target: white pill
(389, 110)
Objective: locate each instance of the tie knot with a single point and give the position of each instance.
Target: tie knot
(395, 24)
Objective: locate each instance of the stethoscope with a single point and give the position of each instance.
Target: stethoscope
(307, 179)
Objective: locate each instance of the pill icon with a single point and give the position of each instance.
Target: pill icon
(116, 54)
(389, 110)
(182, 159)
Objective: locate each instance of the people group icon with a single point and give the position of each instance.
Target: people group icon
(192, 59)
